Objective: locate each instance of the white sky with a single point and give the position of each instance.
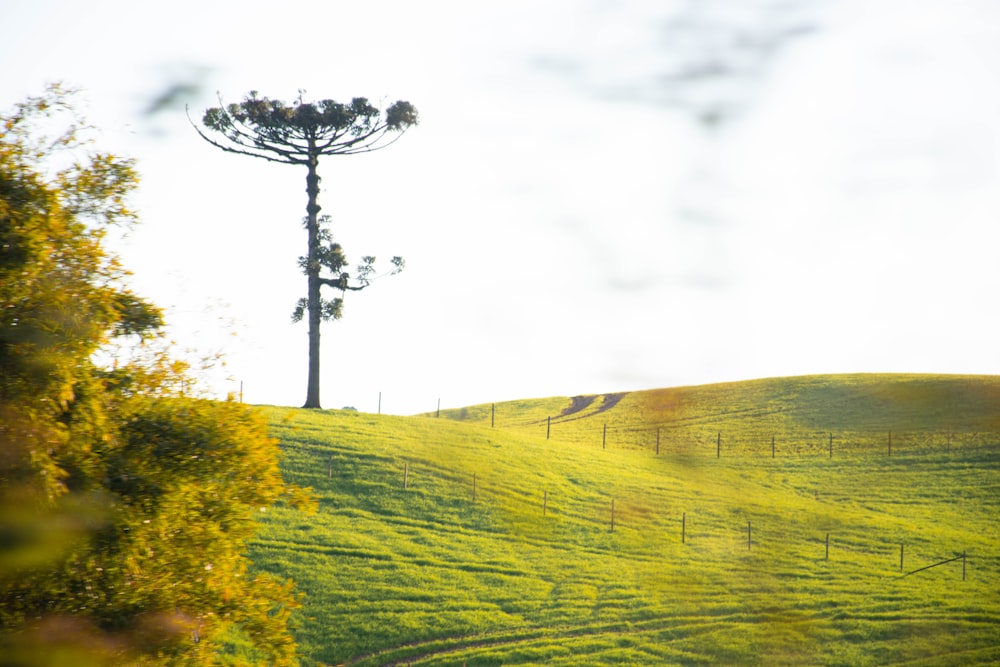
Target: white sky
(568, 226)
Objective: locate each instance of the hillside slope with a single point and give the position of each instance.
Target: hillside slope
(861, 411)
(554, 532)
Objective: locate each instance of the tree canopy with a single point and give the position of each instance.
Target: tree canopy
(300, 132)
(124, 507)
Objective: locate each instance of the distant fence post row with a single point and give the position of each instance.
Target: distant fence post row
(604, 437)
(947, 435)
(862, 439)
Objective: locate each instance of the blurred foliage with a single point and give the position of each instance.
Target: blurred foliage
(124, 507)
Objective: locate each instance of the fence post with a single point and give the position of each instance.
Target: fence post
(438, 414)
(473, 487)
(828, 546)
(604, 438)
(241, 391)
(831, 445)
(380, 402)
(657, 441)
(718, 445)
(963, 565)
(548, 427)
(683, 526)
(493, 415)
(748, 534)
(772, 446)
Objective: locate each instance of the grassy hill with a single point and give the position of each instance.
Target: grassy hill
(767, 522)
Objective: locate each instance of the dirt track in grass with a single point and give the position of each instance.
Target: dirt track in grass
(581, 403)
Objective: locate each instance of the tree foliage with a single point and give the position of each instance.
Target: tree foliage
(124, 507)
(329, 258)
(296, 133)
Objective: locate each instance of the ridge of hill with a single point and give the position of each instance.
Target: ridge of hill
(853, 402)
(653, 527)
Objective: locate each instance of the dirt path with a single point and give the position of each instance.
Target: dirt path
(579, 404)
(610, 401)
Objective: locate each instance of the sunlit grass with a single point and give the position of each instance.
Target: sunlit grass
(500, 548)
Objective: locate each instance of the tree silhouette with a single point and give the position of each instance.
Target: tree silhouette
(300, 133)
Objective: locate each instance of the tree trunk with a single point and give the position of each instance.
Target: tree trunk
(312, 275)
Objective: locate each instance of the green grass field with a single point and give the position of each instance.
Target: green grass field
(485, 536)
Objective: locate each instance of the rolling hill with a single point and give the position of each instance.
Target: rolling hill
(769, 522)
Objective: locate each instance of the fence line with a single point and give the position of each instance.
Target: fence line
(743, 432)
(761, 442)
(615, 522)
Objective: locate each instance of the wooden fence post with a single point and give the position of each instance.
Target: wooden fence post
(828, 546)
(963, 565)
(604, 438)
(473, 487)
(548, 427)
(772, 446)
(718, 445)
(657, 441)
(493, 415)
(683, 526)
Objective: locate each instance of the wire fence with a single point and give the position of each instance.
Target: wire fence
(729, 441)
(892, 551)
(762, 440)
(750, 431)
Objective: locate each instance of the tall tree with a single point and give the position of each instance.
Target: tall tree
(299, 134)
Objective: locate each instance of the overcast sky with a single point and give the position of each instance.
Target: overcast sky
(600, 196)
